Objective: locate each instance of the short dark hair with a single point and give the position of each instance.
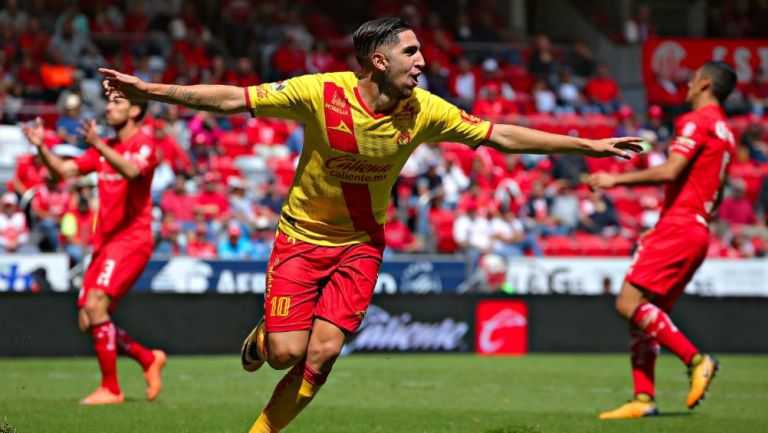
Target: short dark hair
(142, 109)
(375, 33)
(723, 78)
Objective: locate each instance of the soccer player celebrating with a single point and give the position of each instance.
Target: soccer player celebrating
(360, 130)
(668, 256)
(122, 241)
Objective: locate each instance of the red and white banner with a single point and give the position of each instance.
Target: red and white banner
(501, 327)
(676, 58)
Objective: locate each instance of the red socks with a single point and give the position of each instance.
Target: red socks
(644, 350)
(313, 376)
(104, 336)
(654, 322)
(127, 346)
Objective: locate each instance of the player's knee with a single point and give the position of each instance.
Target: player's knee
(283, 357)
(324, 352)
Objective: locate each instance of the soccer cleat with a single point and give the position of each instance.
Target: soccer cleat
(640, 406)
(701, 376)
(102, 396)
(152, 375)
(253, 353)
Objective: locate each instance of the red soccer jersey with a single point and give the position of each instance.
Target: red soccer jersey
(124, 205)
(703, 136)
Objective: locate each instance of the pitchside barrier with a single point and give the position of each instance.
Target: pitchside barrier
(45, 324)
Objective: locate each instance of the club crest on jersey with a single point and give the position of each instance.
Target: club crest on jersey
(403, 138)
(468, 118)
(278, 86)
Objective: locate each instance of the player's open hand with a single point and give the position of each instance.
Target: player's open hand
(614, 147)
(599, 181)
(88, 130)
(119, 85)
(34, 131)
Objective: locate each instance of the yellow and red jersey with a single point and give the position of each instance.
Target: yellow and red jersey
(351, 156)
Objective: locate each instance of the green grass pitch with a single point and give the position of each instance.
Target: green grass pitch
(387, 394)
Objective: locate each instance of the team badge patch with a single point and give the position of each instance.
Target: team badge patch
(403, 138)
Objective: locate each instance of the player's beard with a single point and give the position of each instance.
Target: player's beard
(397, 92)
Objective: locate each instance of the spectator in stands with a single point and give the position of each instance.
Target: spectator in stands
(754, 138)
(598, 215)
(509, 236)
(240, 202)
(76, 230)
(569, 169)
(289, 59)
(569, 99)
(51, 200)
(178, 201)
(464, 32)
(198, 244)
(169, 150)
(638, 29)
(544, 98)
(169, 243)
(543, 64)
(273, 197)
(399, 238)
(655, 122)
(69, 43)
(438, 79)
(464, 84)
(602, 91)
(472, 232)
(441, 228)
(14, 232)
(581, 62)
(492, 104)
(668, 91)
(742, 167)
(537, 212)
(263, 238)
(69, 121)
(211, 201)
(236, 245)
(565, 207)
(13, 16)
(319, 59)
(30, 172)
(492, 74)
(757, 93)
(737, 208)
(454, 181)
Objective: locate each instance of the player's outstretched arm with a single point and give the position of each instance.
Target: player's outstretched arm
(204, 97)
(126, 168)
(665, 173)
(518, 139)
(57, 167)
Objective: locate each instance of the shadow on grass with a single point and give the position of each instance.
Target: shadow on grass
(516, 429)
(673, 414)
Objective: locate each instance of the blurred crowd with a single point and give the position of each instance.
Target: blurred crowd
(222, 180)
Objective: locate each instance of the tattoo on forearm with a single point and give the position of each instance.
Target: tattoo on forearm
(172, 91)
(188, 97)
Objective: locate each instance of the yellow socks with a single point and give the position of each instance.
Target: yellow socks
(294, 392)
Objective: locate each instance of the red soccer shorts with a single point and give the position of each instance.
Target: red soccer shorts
(667, 258)
(114, 269)
(306, 281)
